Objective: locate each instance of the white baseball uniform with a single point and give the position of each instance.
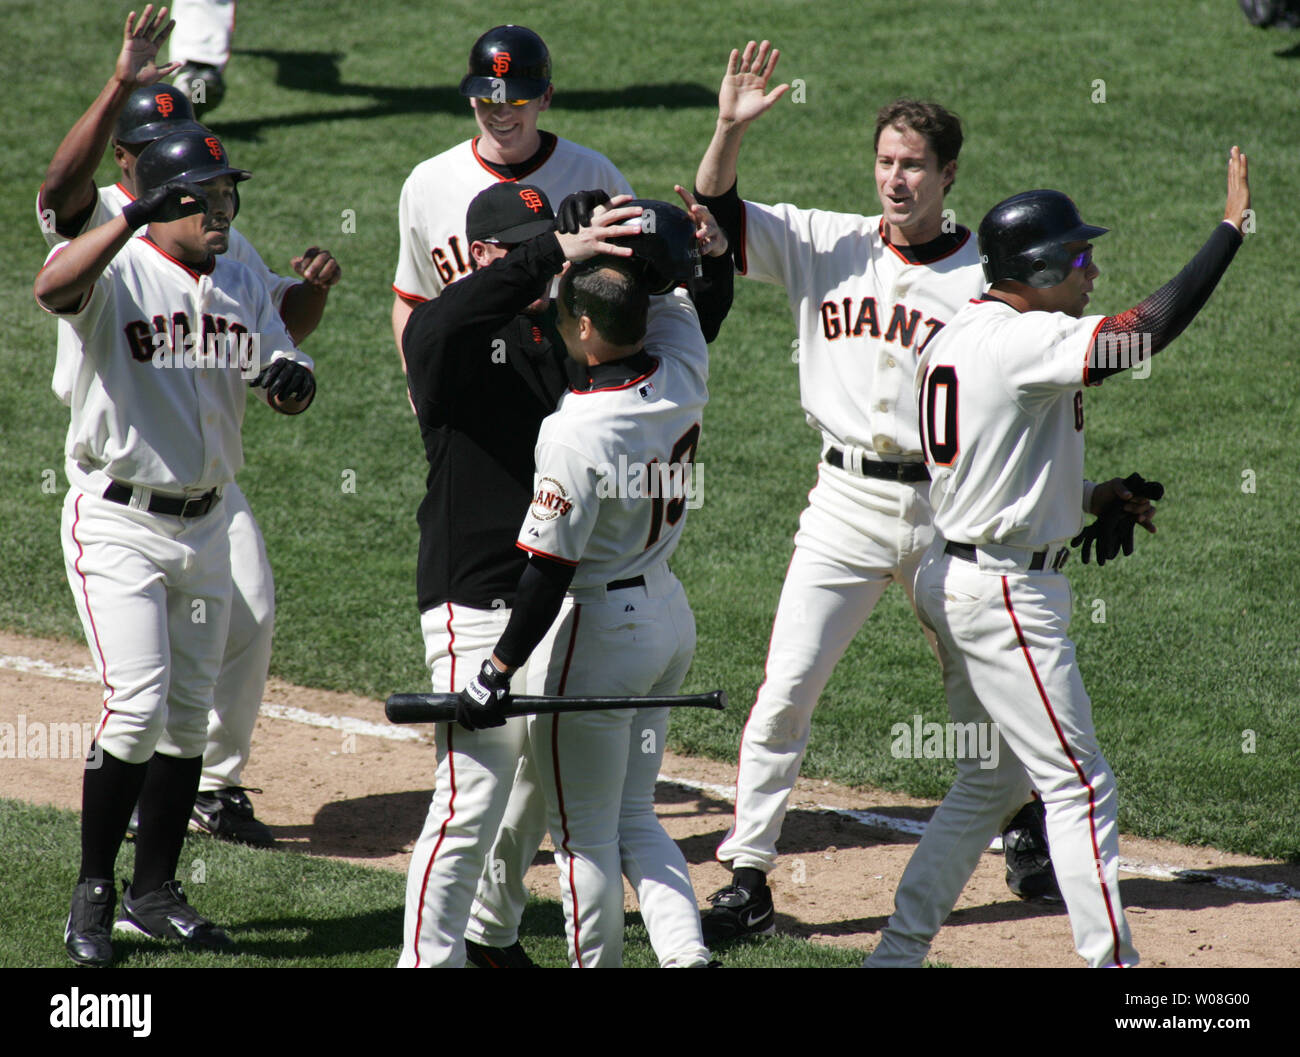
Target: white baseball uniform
(865, 311)
(431, 213)
(247, 654)
(156, 413)
(1001, 403)
(613, 466)
(434, 252)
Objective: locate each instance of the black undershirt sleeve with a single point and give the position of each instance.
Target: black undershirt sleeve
(537, 604)
(712, 292)
(726, 209)
(1166, 313)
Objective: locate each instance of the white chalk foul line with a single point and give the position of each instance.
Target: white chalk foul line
(346, 724)
(911, 827)
(914, 827)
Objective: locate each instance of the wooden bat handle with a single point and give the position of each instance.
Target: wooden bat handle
(441, 708)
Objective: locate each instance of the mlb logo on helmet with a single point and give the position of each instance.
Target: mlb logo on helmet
(501, 63)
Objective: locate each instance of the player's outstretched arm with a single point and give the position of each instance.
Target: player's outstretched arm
(304, 304)
(69, 187)
(1157, 321)
(743, 98)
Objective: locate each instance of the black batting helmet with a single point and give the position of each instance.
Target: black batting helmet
(666, 247)
(1024, 238)
(507, 62)
(191, 156)
(153, 112)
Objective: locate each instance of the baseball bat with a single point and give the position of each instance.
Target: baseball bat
(441, 708)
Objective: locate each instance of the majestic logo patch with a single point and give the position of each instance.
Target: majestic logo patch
(501, 63)
(551, 501)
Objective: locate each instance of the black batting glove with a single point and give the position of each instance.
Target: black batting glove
(283, 379)
(483, 700)
(1112, 531)
(576, 209)
(164, 204)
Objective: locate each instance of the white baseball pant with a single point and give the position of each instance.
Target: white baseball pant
(242, 680)
(475, 774)
(857, 535)
(153, 593)
(204, 29)
(1007, 659)
(598, 769)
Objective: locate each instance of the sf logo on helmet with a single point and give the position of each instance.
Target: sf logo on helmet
(501, 63)
(532, 200)
(214, 145)
(165, 104)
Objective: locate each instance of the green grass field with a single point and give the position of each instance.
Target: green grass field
(1130, 108)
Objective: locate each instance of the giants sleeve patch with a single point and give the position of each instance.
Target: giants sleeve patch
(550, 501)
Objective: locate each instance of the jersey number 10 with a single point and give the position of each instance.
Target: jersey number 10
(939, 415)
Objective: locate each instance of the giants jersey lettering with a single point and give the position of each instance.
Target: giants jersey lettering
(1000, 394)
(169, 421)
(864, 314)
(615, 466)
(108, 205)
(431, 212)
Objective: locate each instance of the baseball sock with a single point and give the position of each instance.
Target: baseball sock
(749, 879)
(165, 805)
(108, 793)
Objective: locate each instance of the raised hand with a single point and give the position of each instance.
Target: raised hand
(1238, 189)
(142, 39)
(744, 95)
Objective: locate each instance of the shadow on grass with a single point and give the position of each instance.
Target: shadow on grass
(318, 72)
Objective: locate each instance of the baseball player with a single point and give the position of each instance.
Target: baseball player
(134, 109)
(598, 611)
(868, 295)
(485, 367)
(200, 47)
(1001, 404)
(508, 84)
(172, 335)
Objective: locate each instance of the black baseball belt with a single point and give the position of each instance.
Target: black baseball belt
(908, 472)
(1037, 563)
(172, 505)
(631, 581)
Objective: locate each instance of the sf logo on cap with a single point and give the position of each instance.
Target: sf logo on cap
(214, 145)
(501, 63)
(165, 104)
(531, 199)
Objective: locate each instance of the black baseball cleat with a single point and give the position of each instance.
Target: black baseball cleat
(227, 814)
(167, 915)
(512, 957)
(1030, 874)
(88, 935)
(739, 909)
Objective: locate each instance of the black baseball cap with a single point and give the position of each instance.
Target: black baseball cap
(508, 212)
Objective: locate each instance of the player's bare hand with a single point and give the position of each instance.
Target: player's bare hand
(744, 95)
(318, 267)
(613, 203)
(1238, 189)
(594, 238)
(710, 236)
(142, 39)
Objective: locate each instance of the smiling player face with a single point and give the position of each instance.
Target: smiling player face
(910, 184)
(509, 133)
